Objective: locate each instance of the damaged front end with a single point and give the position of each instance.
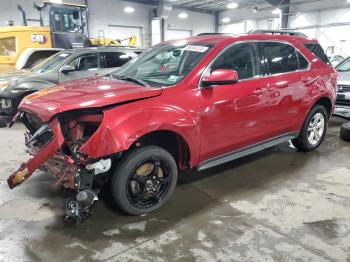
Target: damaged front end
(55, 147)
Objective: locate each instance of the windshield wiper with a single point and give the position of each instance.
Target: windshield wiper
(135, 80)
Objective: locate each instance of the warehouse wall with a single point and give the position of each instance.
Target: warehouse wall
(108, 15)
(196, 22)
(327, 21)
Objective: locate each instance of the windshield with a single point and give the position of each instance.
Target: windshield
(344, 66)
(51, 62)
(164, 65)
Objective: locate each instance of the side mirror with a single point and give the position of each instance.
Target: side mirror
(67, 69)
(221, 77)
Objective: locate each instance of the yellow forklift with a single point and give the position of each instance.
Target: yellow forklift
(62, 26)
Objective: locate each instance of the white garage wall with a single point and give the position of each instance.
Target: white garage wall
(328, 21)
(108, 15)
(330, 27)
(196, 22)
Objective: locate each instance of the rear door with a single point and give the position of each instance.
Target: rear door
(287, 75)
(86, 65)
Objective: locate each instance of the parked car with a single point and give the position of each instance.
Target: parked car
(336, 60)
(221, 98)
(343, 97)
(62, 67)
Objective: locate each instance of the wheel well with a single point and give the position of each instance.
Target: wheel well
(171, 142)
(326, 102)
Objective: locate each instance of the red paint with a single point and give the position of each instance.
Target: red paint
(40, 157)
(222, 75)
(211, 121)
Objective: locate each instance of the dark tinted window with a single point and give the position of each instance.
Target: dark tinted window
(243, 58)
(303, 63)
(85, 62)
(116, 59)
(280, 57)
(318, 51)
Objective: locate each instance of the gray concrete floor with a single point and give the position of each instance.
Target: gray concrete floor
(278, 205)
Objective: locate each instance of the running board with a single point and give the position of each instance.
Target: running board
(246, 151)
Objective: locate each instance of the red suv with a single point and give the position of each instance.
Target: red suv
(189, 104)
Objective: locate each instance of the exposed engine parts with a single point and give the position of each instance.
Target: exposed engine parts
(78, 208)
(55, 147)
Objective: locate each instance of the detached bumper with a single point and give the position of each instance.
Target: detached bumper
(343, 111)
(40, 156)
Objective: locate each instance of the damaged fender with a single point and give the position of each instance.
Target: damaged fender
(117, 136)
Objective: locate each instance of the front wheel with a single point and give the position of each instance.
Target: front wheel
(313, 131)
(144, 180)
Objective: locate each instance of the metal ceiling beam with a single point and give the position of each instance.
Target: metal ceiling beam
(284, 6)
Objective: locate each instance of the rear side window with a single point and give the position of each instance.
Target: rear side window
(280, 57)
(243, 58)
(318, 51)
(303, 63)
(116, 59)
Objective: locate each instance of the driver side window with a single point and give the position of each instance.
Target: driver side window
(242, 58)
(85, 62)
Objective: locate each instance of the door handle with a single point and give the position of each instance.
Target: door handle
(306, 79)
(259, 91)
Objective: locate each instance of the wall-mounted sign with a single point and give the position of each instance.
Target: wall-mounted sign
(38, 39)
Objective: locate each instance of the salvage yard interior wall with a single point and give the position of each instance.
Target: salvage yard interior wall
(327, 21)
(109, 16)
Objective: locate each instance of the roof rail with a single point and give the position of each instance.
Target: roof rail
(204, 34)
(277, 32)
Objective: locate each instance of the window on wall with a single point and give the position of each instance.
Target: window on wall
(280, 57)
(243, 58)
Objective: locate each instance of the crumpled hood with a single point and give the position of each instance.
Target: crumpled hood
(82, 94)
(344, 78)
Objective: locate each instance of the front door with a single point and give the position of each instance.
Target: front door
(234, 115)
(86, 65)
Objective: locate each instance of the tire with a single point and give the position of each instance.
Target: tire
(345, 132)
(132, 191)
(304, 141)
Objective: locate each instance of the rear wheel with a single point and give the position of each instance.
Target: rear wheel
(313, 131)
(144, 180)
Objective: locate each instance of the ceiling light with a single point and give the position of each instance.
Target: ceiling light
(225, 20)
(232, 5)
(348, 1)
(277, 11)
(183, 15)
(129, 9)
(255, 9)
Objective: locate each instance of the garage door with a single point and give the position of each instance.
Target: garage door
(123, 32)
(178, 34)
